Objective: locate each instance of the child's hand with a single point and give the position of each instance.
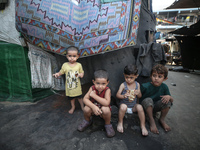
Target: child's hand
(127, 94)
(80, 75)
(136, 92)
(56, 75)
(96, 110)
(165, 98)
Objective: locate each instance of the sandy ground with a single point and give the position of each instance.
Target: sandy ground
(46, 125)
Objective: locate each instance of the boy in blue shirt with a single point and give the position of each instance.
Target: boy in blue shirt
(129, 101)
(156, 97)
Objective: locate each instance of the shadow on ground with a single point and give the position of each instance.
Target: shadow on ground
(46, 125)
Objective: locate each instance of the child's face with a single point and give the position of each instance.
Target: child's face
(130, 79)
(100, 84)
(157, 79)
(72, 56)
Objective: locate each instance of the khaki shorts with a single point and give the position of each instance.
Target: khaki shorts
(158, 106)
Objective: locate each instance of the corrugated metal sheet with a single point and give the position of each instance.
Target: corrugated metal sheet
(185, 4)
(191, 31)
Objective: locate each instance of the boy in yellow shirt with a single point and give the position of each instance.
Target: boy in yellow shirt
(73, 72)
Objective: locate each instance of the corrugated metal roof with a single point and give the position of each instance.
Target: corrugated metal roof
(191, 31)
(184, 4)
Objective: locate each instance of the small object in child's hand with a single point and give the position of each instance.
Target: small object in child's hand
(76, 74)
(132, 95)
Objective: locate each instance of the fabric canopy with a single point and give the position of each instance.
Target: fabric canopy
(91, 26)
(185, 4)
(191, 31)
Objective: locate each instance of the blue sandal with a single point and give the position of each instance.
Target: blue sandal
(109, 130)
(84, 125)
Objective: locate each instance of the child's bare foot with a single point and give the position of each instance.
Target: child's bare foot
(144, 131)
(120, 127)
(164, 125)
(153, 127)
(71, 111)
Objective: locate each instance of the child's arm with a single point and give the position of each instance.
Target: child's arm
(81, 74)
(103, 101)
(138, 92)
(119, 95)
(86, 100)
(56, 75)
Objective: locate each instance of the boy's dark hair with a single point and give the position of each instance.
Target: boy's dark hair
(160, 69)
(72, 48)
(101, 73)
(131, 69)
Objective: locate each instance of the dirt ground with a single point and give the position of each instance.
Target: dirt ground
(46, 124)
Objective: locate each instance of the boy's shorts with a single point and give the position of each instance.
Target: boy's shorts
(158, 106)
(76, 97)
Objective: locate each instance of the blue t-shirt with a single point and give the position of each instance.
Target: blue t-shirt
(125, 100)
(153, 92)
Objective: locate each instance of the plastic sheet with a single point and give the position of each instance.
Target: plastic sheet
(15, 78)
(43, 65)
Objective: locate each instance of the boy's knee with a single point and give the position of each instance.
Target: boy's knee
(87, 109)
(139, 107)
(106, 110)
(168, 105)
(147, 102)
(123, 107)
(159, 106)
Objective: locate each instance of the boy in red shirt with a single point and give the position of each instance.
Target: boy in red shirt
(97, 102)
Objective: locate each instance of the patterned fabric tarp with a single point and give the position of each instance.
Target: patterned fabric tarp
(91, 26)
(43, 65)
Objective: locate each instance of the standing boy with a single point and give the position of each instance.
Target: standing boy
(73, 71)
(97, 102)
(156, 97)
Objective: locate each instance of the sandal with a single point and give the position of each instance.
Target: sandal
(109, 130)
(84, 125)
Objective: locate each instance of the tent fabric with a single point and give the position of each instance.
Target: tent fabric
(189, 31)
(147, 23)
(8, 32)
(15, 78)
(184, 4)
(189, 51)
(3, 1)
(92, 29)
(3, 4)
(110, 1)
(43, 65)
(149, 55)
